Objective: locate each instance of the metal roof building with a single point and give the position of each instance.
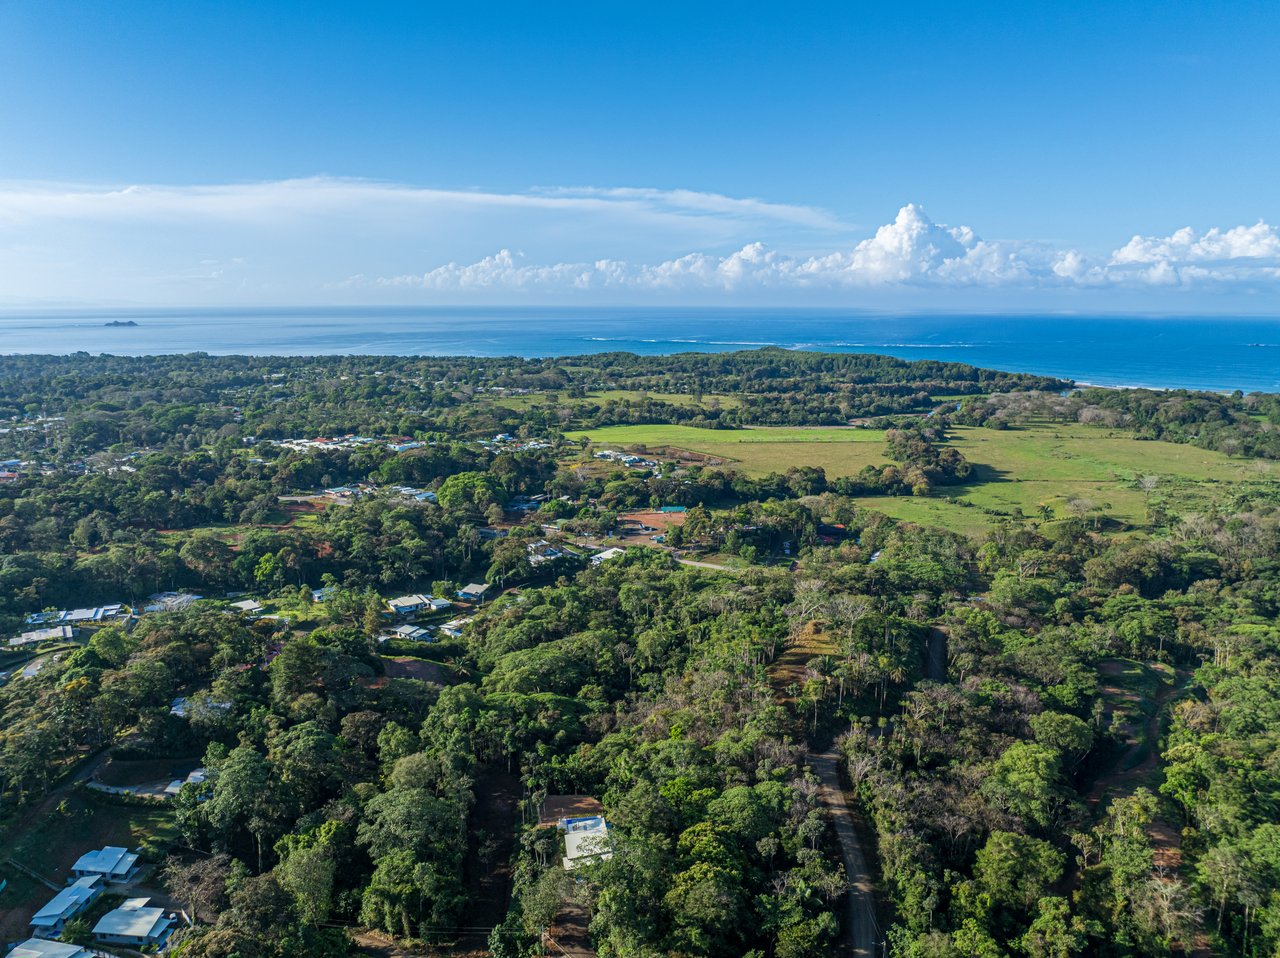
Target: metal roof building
(43, 948)
(112, 863)
(133, 923)
(65, 905)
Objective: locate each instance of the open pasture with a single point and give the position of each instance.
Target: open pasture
(1061, 468)
(602, 396)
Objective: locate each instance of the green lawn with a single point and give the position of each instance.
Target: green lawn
(928, 511)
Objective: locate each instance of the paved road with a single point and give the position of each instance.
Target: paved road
(861, 927)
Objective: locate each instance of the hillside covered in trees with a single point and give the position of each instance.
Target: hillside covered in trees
(1059, 736)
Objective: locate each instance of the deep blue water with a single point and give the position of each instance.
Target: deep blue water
(1199, 352)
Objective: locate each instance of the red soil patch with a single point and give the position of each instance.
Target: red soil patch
(656, 520)
(556, 807)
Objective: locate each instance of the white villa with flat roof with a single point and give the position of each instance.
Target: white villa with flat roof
(112, 863)
(65, 905)
(133, 923)
(586, 840)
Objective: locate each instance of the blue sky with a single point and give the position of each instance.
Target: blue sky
(235, 152)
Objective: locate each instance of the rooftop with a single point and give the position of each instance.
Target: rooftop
(585, 841)
(67, 902)
(110, 861)
(133, 919)
(41, 948)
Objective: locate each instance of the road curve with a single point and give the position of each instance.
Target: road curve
(861, 928)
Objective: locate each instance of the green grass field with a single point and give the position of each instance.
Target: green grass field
(841, 451)
(1050, 465)
(1064, 467)
(605, 395)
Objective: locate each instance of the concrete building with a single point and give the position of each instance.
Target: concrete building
(49, 921)
(58, 633)
(136, 924)
(111, 863)
(43, 948)
(586, 840)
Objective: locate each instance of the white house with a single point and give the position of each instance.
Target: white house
(98, 614)
(247, 607)
(412, 633)
(542, 551)
(408, 604)
(62, 907)
(194, 777)
(133, 923)
(95, 615)
(113, 864)
(43, 948)
(607, 555)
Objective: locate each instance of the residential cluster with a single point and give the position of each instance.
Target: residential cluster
(626, 458)
(406, 607)
(135, 923)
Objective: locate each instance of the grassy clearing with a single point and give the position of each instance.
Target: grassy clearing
(757, 452)
(619, 395)
(1132, 693)
(927, 511)
(787, 671)
(1059, 467)
(1050, 465)
(696, 439)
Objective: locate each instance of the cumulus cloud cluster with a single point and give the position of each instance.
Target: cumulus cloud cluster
(912, 250)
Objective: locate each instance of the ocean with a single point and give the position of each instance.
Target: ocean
(1195, 352)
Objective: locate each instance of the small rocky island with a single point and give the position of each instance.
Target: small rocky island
(121, 322)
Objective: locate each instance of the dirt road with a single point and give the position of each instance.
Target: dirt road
(861, 929)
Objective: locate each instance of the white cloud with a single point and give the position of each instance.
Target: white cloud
(294, 240)
(1240, 255)
(1259, 241)
(910, 251)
